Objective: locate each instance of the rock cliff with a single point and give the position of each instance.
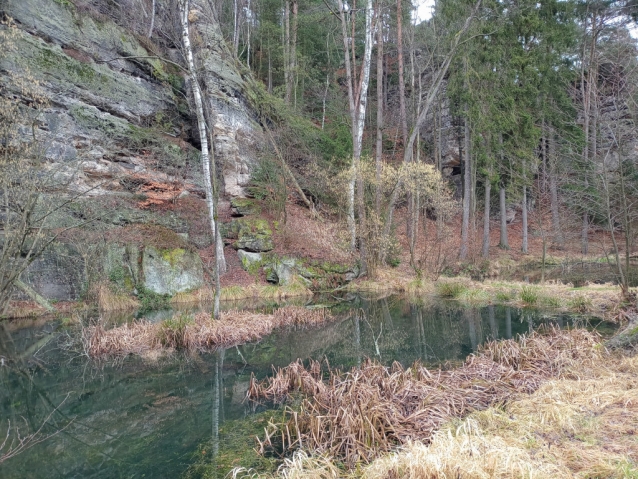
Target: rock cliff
(118, 119)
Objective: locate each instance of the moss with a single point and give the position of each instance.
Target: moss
(172, 256)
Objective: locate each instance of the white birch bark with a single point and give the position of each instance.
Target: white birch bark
(350, 212)
(150, 30)
(220, 261)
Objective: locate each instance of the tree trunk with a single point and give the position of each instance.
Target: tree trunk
(220, 260)
(351, 104)
(467, 183)
(503, 241)
(553, 190)
(524, 215)
(287, 73)
(361, 111)
(292, 52)
(150, 29)
(235, 28)
(379, 156)
(486, 219)
(403, 115)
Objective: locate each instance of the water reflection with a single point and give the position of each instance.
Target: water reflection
(135, 419)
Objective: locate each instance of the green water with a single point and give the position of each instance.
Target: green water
(133, 419)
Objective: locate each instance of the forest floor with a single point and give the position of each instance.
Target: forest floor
(324, 237)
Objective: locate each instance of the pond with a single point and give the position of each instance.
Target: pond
(137, 419)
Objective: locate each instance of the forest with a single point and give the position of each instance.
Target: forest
(318, 239)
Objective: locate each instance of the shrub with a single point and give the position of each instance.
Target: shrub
(450, 289)
(150, 300)
(529, 295)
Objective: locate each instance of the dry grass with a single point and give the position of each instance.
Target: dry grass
(267, 291)
(569, 428)
(356, 416)
(198, 333)
(107, 300)
(201, 295)
(393, 280)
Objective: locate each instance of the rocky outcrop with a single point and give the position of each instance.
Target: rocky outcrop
(171, 271)
(236, 131)
(118, 123)
(130, 267)
(249, 234)
(118, 109)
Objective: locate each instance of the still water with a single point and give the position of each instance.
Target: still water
(136, 419)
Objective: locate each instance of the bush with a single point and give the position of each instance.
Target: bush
(529, 295)
(150, 300)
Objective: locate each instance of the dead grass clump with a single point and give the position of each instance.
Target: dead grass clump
(356, 416)
(232, 328)
(199, 333)
(568, 428)
(138, 338)
(107, 300)
(201, 295)
(300, 316)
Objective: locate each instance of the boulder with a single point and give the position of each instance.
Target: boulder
(244, 207)
(170, 271)
(281, 271)
(248, 259)
(251, 234)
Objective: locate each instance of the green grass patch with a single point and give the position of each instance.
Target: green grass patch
(450, 289)
(529, 295)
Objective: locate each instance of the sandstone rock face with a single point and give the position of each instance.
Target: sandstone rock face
(171, 271)
(58, 274)
(117, 120)
(236, 128)
(109, 99)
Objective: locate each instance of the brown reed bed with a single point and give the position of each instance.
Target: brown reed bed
(195, 333)
(359, 415)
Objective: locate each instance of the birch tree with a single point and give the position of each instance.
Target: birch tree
(357, 101)
(202, 127)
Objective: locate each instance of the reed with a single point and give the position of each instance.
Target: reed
(358, 415)
(199, 333)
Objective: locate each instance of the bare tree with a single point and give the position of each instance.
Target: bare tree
(211, 197)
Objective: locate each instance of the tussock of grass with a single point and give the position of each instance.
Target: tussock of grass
(450, 289)
(199, 333)
(107, 300)
(474, 296)
(580, 303)
(529, 295)
(356, 416)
